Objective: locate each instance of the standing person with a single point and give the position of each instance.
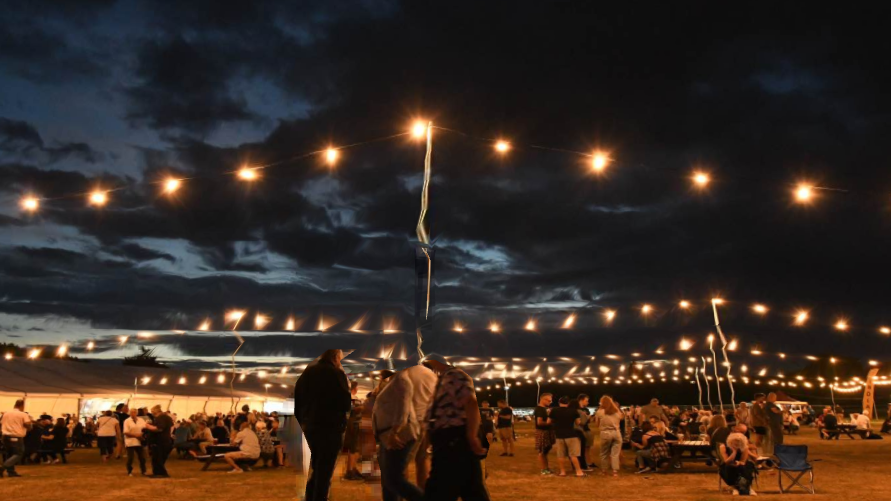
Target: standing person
(775, 419)
(544, 431)
(609, 419)
(487, 421)
(108, 431)
(121, 413)
(351, 438)
(14, 425)
(587, 456)
(564, 420)
(505, 427)
(160, 441)
(760, 423)
(580, 433)
(134, 427)
(321, 403)
(653, 409)
(453, 428)
(742, 414)
(399, 428)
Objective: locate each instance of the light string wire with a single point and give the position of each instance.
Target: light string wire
(724, 351)
(708, 388)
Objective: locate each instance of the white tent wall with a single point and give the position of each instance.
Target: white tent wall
(53, 405)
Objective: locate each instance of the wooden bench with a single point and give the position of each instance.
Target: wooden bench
(848, 431)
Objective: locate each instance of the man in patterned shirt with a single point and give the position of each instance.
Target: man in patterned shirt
(453, 423)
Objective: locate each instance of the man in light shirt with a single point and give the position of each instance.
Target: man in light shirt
(248, 445)
(14, 425)
(133, 430)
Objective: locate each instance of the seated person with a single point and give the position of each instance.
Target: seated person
(220, 433)
(181, 439)
(650, 450)
(886, 425)
(248, 445)
(790, 422)
(717, 430)
(737, 463)
(267, 448)
(864, 426)
(830, 422)
(202, 438)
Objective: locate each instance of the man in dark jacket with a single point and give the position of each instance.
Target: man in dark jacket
(321, 403)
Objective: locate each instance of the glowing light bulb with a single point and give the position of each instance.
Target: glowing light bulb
(290, 325)
(205, 326)
(570, 320)
(182, 380)
(646, 309)
(494, 327)
(98, 198)
(202, 380)
(171, 185)
(717, 300)
(759, 309)
(235, 315)
(146, 380)
(260, 321)
(684, 304)
(804, 193)
(599, 161)
(732, 345)
(8, 356)
(530, 325)
(248, 174)
(419, 129)
(30, 204)
(502, 146)
(90, 346)
(801, 317)
(331, 155)
(885, 330)
(123, 339)
(163, 380)
(458, 327)
(221, 379)
(609, 315)
(62, 350)
(841, 325)
(685, 344)
(701, 179)
(711, 338)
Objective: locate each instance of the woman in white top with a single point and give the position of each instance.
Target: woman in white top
(107, 433)
(608, 419)
(133, 428)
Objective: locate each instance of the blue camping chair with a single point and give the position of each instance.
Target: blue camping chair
(793, 464)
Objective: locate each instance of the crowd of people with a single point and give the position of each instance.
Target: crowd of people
(141, 435)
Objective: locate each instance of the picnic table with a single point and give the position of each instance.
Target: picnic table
(845, 429)
(696, 451)
(215, 454)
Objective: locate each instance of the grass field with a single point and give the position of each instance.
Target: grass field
(849, 469)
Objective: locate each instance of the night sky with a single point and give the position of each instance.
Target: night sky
(125, 93)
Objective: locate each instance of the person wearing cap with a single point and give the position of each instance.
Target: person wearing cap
(321, 403)
(14, 425)
(453, 421)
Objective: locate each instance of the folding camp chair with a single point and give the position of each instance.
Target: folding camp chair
(793, 464)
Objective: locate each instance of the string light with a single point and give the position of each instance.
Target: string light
(801, 317)
(685, 344)
(202, 380)
(494, 327)
(248, 174)
(841, 325)
(530, 325)
(804, 193)
(732, 345)
(8, 356)
(599, 161)
(701, 179)
(123, 339)
(98, 198)
(163, 380)
(759, 309)
(331, 155)
(569, 321)
(221, 379)
(502, 146)
(717, 300)
(289, 326)
(171, 185)
(62, 350)
(205, 326)
(419, 129)
(235, 315)
(684, 304)
(646, 309)
(146, 380)
(30, 204)
(609, 315)
(260, 321)
(885, 330)
(90, 345)
(458, 327)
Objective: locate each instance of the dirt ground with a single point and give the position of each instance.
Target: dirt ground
(848, 469)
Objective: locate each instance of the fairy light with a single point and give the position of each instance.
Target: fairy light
(146, 380)
(242, 377)
(163, 380)
(8, 356)
(331, 156)
(530, 325)
(235, 315)
(717, 300)
(701, 179)
(98, 198)
(599, 161)
(62, 350)
(759, 309)
(646, 309)
(90, 345)
(205, 326)
(804, 193)
(248, 174)
(419, 129)
(609, 315)
(494, 327)
(885, 330)
(289, 326)
(260, 321)
(801, 317)
(732, 345)
(30, 204)
(171, 185)
(841, 325)
(123, 339)
(570, 320)
(458, 327)
(684, 305)
(502, 146)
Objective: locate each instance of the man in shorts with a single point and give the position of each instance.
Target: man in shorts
(248, 448)
(564, 421)
(505, 427)
(544, 431)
